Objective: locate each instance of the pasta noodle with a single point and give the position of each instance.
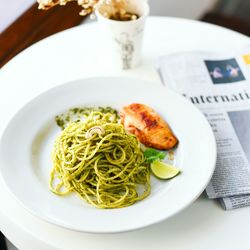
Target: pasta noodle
(99, 161)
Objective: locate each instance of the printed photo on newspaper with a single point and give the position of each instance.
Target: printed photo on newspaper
(219, 85)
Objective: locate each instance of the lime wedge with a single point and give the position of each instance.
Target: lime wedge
(163, 170)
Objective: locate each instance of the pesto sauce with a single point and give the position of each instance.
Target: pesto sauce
(76, 114)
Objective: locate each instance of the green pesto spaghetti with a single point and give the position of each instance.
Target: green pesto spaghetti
(99, 161)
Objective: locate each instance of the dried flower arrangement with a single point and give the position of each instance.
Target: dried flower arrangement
(112, 9)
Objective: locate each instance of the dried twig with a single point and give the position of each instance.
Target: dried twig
(113, 9)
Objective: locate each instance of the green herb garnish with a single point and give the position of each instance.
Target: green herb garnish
(152, 154)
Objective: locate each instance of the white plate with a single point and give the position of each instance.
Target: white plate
(28, 139)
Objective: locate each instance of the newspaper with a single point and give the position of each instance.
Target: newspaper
(219, 85)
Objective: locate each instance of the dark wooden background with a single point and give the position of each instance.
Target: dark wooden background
(34, 25)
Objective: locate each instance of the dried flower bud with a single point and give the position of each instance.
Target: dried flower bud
(113, 9)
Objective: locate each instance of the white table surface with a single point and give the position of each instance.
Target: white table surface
(75, 54)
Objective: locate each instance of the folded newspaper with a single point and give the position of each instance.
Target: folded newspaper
(219, 85)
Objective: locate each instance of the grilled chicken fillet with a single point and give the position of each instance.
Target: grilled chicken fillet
(150, 129)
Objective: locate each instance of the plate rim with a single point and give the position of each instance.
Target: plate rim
(131, 228)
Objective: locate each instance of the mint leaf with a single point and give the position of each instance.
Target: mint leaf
(152, 154)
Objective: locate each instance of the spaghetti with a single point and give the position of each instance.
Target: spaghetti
(99, 161)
